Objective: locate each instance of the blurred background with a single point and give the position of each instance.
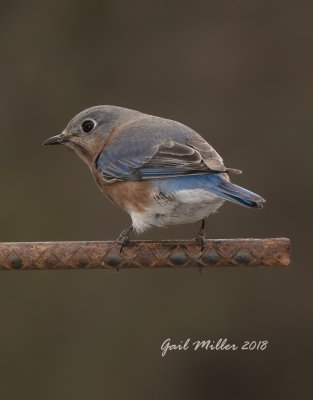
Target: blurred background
(239, 73)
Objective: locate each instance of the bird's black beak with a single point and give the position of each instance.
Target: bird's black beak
(58, 139)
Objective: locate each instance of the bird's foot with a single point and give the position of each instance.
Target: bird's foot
(124, 237)
(200, 237)
(200, 240)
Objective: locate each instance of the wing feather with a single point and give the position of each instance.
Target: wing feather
(154, 148)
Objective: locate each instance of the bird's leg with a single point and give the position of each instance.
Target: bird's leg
(201, 235)
(124, 237)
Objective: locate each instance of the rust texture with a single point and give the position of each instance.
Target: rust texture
(144, 254)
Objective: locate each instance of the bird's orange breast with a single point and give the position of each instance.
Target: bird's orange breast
(129, 195)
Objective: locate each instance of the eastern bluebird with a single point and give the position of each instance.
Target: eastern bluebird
(159, 171)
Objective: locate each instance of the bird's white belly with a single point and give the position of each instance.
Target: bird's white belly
(186, 206)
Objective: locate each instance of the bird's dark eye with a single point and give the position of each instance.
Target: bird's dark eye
(87, 126)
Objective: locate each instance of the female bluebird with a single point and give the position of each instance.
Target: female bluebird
(159, 171)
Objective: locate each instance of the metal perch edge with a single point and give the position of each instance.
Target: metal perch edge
(270, 252)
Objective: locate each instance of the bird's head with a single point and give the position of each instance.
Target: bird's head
(89, 131)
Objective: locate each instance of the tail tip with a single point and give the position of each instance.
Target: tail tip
(255, 204)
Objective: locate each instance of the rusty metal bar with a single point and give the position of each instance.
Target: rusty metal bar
(144, 254)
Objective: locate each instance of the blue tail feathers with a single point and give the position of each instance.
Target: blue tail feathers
(237, 194)
(214, 183)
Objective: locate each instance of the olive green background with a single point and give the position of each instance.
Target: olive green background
(239, 73)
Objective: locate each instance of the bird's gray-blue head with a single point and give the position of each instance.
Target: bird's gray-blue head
(91, 129)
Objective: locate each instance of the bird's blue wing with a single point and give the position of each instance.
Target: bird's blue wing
(153, 148)
(122, 161)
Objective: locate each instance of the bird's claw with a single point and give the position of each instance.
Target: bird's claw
(124, 237)
(200, 237)
(124, 242)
